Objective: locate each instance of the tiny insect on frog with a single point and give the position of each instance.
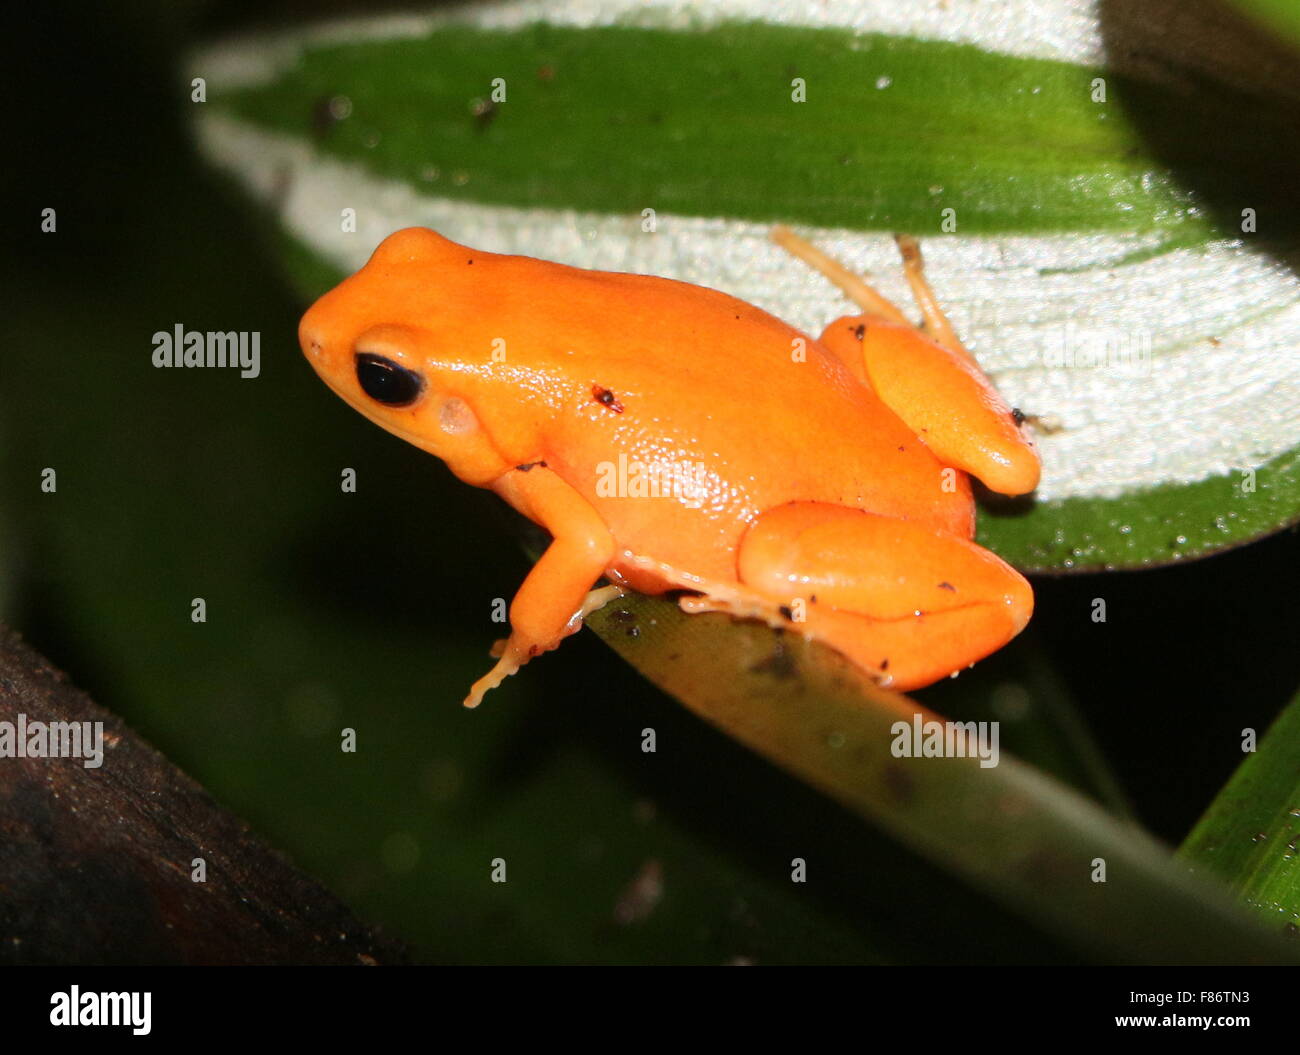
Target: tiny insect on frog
(671, 437)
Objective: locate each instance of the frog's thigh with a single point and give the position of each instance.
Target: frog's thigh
(943, 397)
(894, 596)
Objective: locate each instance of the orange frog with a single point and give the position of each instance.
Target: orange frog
(671, 437)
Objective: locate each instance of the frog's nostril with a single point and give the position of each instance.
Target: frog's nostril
(310, 341)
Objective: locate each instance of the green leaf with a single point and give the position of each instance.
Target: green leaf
(1280, 15)
(607, 130)
(1098, 267)
(1018, 834)
(1159, 526)
(1250, 833)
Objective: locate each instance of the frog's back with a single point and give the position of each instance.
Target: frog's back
(690, 412)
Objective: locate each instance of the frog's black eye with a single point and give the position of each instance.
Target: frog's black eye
(387, 383)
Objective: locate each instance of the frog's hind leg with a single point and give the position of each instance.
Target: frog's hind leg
(904, 601)
(936, 325)
(927, 378)
(874, 303)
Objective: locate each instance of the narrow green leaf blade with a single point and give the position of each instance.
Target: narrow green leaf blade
(1250, 834)
(1280, 15)
(1027, 840)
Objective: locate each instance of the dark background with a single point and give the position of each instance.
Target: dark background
(173, 486)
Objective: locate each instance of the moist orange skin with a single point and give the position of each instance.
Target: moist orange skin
(650, 425)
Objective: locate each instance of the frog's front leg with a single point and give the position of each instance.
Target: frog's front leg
(909, 602)
(553, 599)
(927, 378)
